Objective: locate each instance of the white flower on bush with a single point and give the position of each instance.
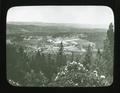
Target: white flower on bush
(95, 73)
(75, 66)
(80, 64)
(102, 76)
(79, 68)
(14, 83)
(66, 68)
(73, 62)
(76, 84)
(56, 77)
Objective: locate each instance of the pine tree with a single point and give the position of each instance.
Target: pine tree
(11, 56)
(37, 62)
(72, 57)
(98, 61)
(110, 36)
(35, 79)
(108, 53)
(61, 58)
(49, 67)
(21, 66)
(43, 62)
(98, 53)
(16, 63)
(61, 49)
(88, 58)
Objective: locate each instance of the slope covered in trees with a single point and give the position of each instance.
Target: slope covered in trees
(60, 69)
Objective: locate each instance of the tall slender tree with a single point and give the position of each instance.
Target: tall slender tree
(88, 57)
(108, 53)
(61, 58)
(72, 57)
(37, 62)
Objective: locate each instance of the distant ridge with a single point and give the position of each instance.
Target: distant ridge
(73, 25)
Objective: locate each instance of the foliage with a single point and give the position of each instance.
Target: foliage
(108, 53)
(35, 79)
(61, 58)
(74, 74)
(88, 58)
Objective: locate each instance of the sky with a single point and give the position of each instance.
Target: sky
(94, 15)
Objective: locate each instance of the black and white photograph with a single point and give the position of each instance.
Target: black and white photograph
(60, 46)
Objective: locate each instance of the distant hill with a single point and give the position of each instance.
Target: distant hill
(51, 27)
